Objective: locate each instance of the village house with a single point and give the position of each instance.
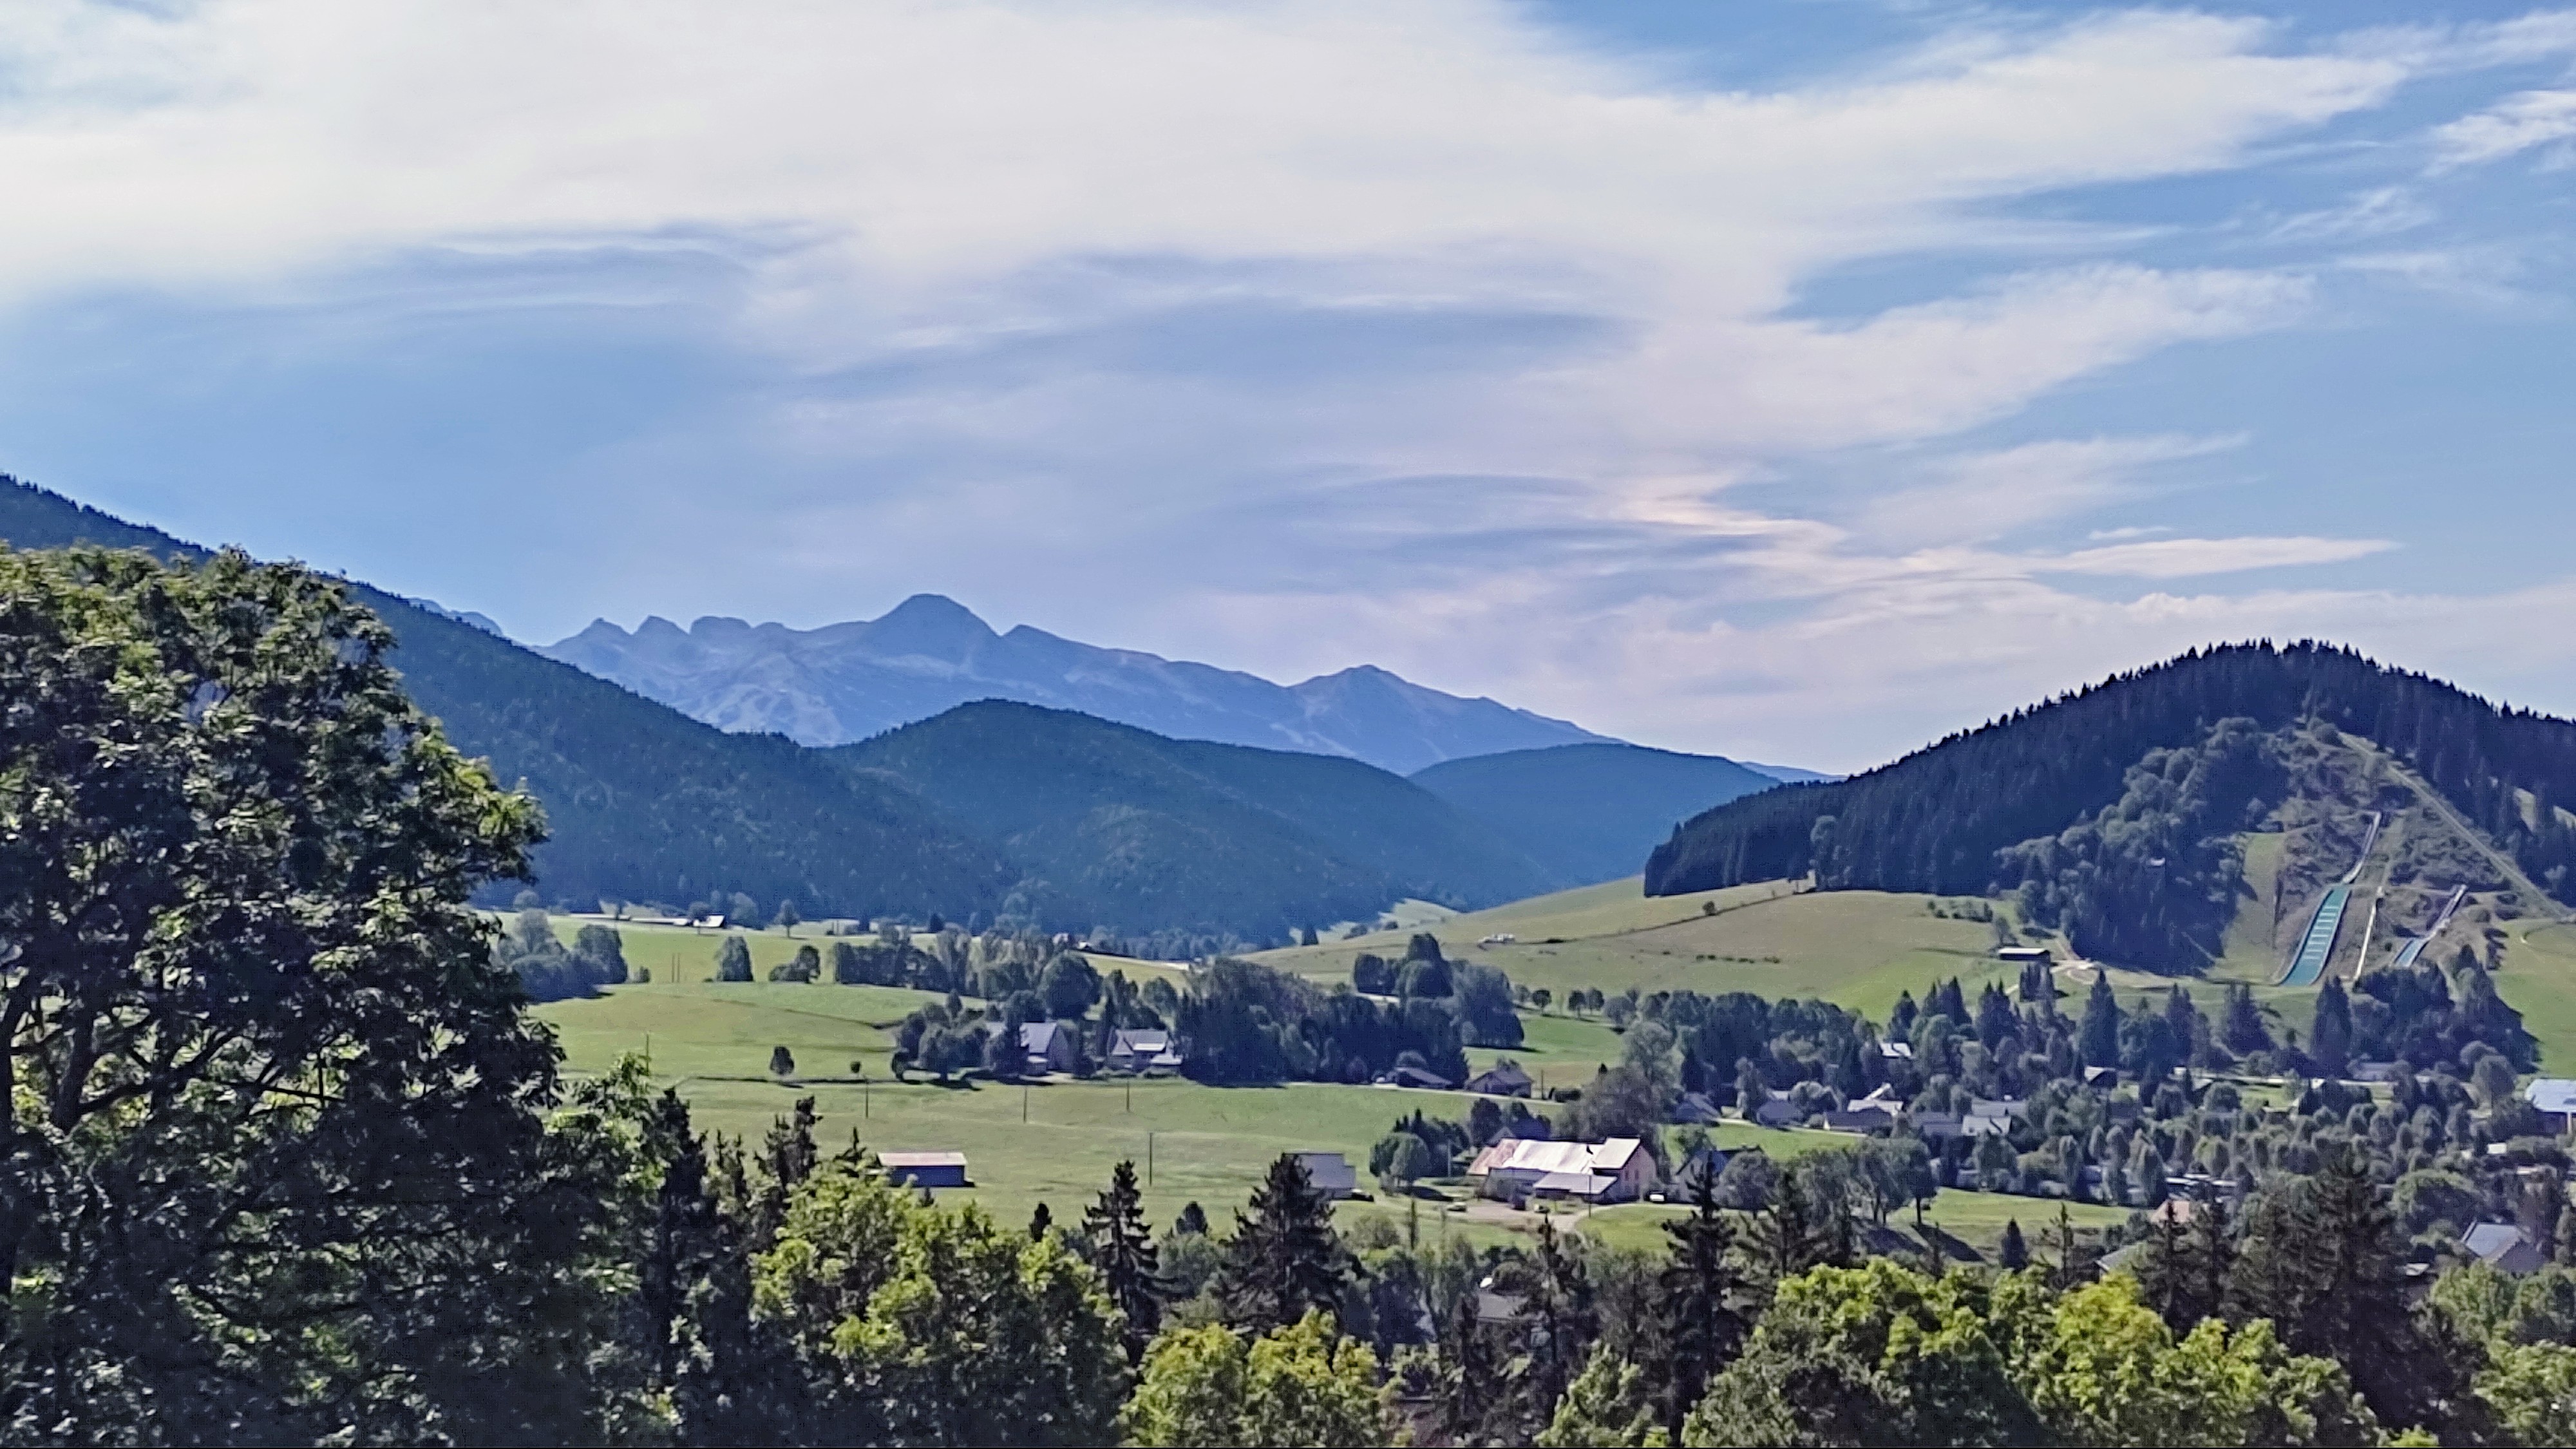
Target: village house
(1503, 1079)
(1145, 1051)
(1518, 1168)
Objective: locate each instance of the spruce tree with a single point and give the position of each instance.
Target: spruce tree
(2101, 1031)
(2014, 1253)
(787, 1157)
(1789, 1237)
(2321, 1261)
(1041, 1223)
(2330, 1040)
(1117, 1243)
(1699, 1300)
(1284, 1257)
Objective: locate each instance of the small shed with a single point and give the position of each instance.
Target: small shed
(1331, 1173)
(1696, 1110)
(924, 1169)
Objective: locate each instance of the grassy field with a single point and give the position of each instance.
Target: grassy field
(1052, 1142)
(2539, 980)
(1859, 948)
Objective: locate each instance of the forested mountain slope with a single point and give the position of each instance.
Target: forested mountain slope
(2129, 783)
(1589, 812)
(1149, 833)
(847, 682)
(642, 802)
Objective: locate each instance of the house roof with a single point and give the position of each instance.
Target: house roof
(1588, 1184)
(1416, 1077)
(1902, 1051)
(1503, 1072)
(2552, 1094)
(921, 1159)
(1538, 1157)
(1141, 1041)
(1037, 1036)
(2491, 1241)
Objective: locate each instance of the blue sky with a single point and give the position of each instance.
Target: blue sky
(1795, 380)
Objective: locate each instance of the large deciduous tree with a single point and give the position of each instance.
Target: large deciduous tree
(273, 1170)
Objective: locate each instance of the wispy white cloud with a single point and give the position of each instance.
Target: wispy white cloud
(2508, 128)
(2379, 211)
(2181, 558)
(1986, 496)
(1348, 331)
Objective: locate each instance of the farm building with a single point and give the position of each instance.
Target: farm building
(1414, 1077)
(1619, 1170)
(1145, 1051)
(1331, 1173)
(1048, 1045)
(2555, 1097)
(2021, 953)
(1503, 1079)
(924, 1169)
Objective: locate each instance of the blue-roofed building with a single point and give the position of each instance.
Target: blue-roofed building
(2555, 1097)
(2503, 1247)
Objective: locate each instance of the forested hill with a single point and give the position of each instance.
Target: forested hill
(1124, 827)
(1589, 812)
(1935, 820)
(642, 801)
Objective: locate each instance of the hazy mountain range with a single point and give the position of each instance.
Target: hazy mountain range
(846, 682)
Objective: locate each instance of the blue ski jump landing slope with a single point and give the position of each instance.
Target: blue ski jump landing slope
(2318, 944)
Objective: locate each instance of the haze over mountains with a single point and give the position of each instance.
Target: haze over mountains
(846, 682)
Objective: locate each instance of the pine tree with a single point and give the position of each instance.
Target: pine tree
(2321, 1261)
(787, 1157)
(2101, 1031)
(2330, 1040)
(1699, 1297)
(1284, 1257)
(1118, 1244)
(1788, 1237)
(2243, 1030)
(1041, 1223)
(2014, 1253)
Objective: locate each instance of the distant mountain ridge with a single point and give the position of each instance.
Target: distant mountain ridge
(847, 682)
(1116, 825)
(989, 808)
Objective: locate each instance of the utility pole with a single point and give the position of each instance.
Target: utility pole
(1149, 1159)
(1024, 1102)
